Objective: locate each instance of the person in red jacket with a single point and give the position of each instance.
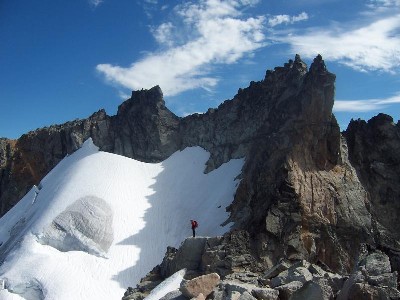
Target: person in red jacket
(194, 226)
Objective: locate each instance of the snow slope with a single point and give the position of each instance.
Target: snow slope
(99, 222)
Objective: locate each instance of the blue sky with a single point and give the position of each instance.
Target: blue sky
(62, 60)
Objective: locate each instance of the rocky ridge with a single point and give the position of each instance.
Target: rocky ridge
(225, 268)
(307, 192)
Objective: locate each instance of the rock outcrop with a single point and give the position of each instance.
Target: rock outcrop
(248, 277)
(374, 153)
(307, 192)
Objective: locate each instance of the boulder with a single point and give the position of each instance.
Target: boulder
(188, 256)
(200, 285)
(218, 294)
(233, 286)
(376, 263)
(233, 296)
(355, 278)
(287, 290)
(385, 279)
(199, 297)
(335, 281)
(245, 277)
(313, 290)
(392, 293)
(275, 270)
(365, 291)
(316, 270)
(133, 294)
(174, 295)
(300, 274)
(265, 294)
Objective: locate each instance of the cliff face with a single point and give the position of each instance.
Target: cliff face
(306, 191)
(374, 153)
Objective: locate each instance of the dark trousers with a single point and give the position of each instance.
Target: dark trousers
(194, 232)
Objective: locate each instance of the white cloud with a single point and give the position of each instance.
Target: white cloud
(95, 3)
(383, 3)
(286, 19)
(365, 105)
(215, 32)
(372, 44)
(163, 34)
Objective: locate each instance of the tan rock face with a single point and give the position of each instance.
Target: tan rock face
(199, 297)
(200, 285)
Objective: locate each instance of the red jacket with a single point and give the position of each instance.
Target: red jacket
(194, 224)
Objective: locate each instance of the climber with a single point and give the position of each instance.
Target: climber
(194, 226)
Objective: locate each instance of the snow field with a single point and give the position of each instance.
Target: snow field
(151, 207)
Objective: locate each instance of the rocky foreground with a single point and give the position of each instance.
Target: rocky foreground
(225, 268)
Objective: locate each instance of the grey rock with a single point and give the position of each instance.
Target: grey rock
(287, 290)
(300, 274)
(366, 291)
(376, 263)
(233, 296)
(355, 278)
(316, 271)
(246, 296)
(188, 256)
(174, 295)
(218, 295)
(391, 293)
(386, 279)
(265, 294)
(244, 277)
(132, 294)
(145, 129)
(314, 290)
(373, 151)
(335, 281)
(232, 286)
(274, 271)
(228, 253)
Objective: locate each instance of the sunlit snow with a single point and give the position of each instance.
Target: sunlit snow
(98, 222)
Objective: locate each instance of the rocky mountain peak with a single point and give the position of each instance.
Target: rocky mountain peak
(291, 72)
(318, 65)
(143, 100)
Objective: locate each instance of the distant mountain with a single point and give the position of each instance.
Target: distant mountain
(307, 191)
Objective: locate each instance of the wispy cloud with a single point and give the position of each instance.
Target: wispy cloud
(365, 105)
(379, 4)
(286, 19)
(202, 34)
(95, 3)
(370, 44)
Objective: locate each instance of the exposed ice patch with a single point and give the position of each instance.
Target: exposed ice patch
(85, 225)
(31, 290)
(170, 284)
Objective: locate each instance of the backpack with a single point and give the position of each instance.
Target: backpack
(195, 224)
